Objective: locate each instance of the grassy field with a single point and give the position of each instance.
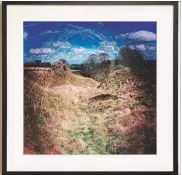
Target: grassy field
(74, 114)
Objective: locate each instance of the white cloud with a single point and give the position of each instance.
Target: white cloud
(107, 43)
(42, 51)
(80, 50)
(140, 47)
(147, 50)
(139, 36)
(47, 50)
(25, 35)
(85, 51)
(63, 45)
(77, 54)
(35, 51)
(145, 47)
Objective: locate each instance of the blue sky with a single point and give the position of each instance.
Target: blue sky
(75, 41)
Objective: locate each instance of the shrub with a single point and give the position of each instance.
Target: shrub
(60, 67)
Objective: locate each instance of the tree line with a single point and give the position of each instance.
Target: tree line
(99, 66)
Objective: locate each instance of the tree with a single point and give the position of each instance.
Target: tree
(131, 57)
(105, 63)
(97, 66)
(103, 57)
(90, 65)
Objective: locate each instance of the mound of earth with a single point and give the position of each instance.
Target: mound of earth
(55, 110)
(135, 118)
(61, 118)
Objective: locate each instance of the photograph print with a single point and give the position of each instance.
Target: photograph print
(90, 88)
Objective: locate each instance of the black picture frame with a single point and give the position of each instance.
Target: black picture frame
(175, 78)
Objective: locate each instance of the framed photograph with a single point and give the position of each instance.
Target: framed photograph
(90, 87)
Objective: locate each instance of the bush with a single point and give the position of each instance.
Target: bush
(60, 67)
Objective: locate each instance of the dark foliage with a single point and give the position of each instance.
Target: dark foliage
(37, 64)
(131, 57)
(97, 66)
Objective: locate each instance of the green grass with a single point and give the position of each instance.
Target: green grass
(93, 133)
(95, 144)
(82, 135)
